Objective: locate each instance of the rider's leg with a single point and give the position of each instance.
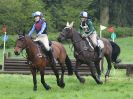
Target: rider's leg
(45, 41)
(95, 44)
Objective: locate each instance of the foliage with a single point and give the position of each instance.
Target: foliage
(16, 14)
(10, 42)
(120, 32)
(120, 11)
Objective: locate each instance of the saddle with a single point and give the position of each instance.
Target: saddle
(42, 48)
(41, 44)
(100, 43)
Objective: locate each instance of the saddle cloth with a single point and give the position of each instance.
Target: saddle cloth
(100, 43)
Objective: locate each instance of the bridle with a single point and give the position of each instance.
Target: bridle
(73, 42)
(22, 48)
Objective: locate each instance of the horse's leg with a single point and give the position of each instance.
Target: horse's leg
(56, 74)
(47, 87)
(33, 71)
(108, 58)
(93, 73)
(97, 65)
(82, 80)
(62, 75)
(69, 65)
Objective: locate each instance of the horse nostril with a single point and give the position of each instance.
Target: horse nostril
(16, 53)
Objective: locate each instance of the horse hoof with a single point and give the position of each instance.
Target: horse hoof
(106, 78)
(82, 80)
(34, 89)
(100, 83)
(47, 87)
(62, 85)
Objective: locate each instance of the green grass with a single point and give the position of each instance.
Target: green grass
(126, 45)
(20, 87)
(15, 87)
(119, 86)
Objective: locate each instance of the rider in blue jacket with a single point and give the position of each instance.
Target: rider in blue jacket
(40, 26)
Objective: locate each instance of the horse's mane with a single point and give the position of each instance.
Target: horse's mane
(76, 33)
(29, 39)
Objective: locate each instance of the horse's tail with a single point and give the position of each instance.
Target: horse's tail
(69, 65)
(115, 52)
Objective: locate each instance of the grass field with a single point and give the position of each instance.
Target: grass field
(118, 87)
(20, 87)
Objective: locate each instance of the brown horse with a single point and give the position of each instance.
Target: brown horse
(38, 60)
(84, 53)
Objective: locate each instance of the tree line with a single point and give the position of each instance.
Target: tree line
(17, 14)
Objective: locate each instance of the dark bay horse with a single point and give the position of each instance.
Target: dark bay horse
(84, 54)
(38, 63)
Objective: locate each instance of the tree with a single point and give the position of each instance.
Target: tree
(121, 12)
(104, 12)
(116, 12)
(14, 13)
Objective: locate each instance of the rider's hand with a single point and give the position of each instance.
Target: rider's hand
(38, 34)
(84, 35)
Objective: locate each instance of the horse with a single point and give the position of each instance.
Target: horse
(38, 60)
(84, 54)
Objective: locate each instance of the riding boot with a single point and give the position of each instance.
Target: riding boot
(51, 57)
(100, 52)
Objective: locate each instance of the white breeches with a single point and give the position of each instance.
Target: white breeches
(95, 41)
(43, 38)
(93, 37)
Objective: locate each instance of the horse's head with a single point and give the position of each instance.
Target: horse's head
(20, 45)
(66, 32)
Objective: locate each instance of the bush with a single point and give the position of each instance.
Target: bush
(120, 32)
(9, 43)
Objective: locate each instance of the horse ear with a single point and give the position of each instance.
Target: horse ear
(67, 24)
(20, 33)
(71, 25)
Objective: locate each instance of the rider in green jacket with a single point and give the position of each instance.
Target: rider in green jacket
(88, 31)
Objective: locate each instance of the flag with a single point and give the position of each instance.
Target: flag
(111, 29)
(102, 27)
(4, 28)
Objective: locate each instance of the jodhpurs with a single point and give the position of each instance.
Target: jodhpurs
(93, 38)
(43, 38)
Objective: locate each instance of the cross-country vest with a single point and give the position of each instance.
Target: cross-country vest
(38, 26)
(87, 27)
(84, 27)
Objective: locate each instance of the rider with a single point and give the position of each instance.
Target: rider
(88, 31)
(40, 26)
